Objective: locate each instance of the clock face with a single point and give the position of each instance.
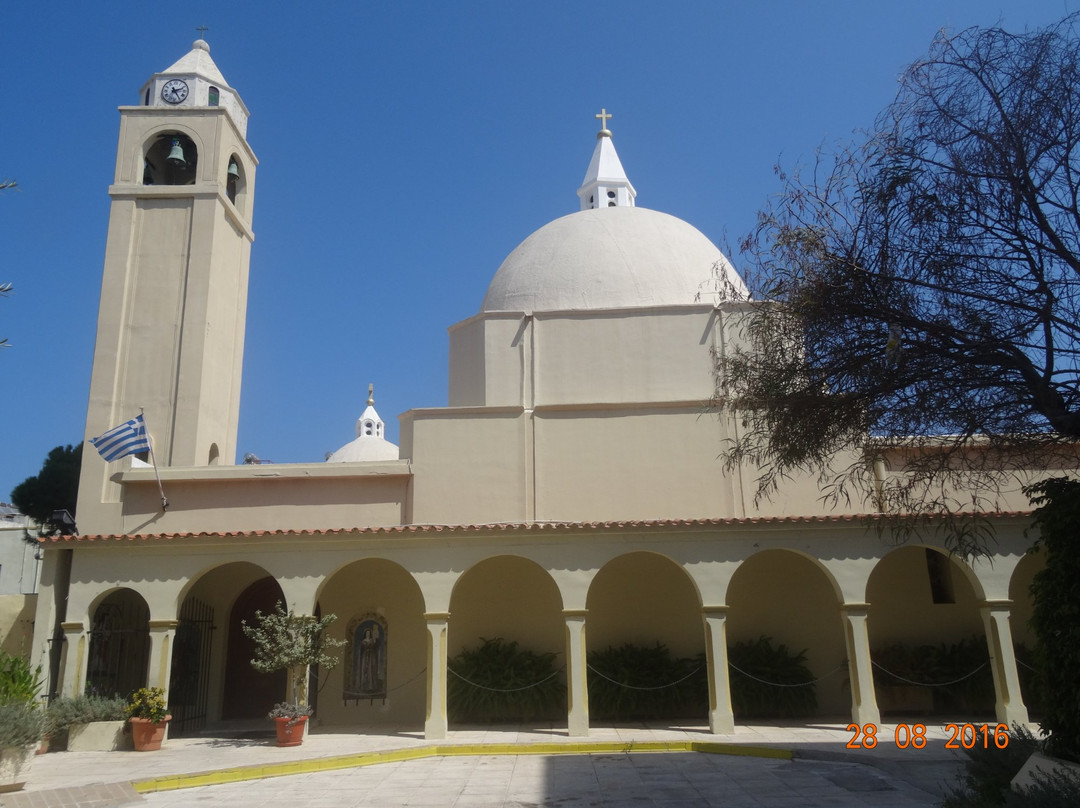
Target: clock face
(174, 91)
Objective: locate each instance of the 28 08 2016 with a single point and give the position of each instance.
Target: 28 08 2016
(913, 736)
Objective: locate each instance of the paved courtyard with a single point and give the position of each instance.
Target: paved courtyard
(806, 766)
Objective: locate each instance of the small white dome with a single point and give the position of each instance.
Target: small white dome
(370, 443)
(364, 449)
(608, 258)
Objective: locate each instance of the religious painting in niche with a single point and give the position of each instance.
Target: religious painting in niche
(365, 665)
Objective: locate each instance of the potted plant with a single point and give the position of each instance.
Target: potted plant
(22, 721)
(149, 717)
(290, 719)
(293, 643)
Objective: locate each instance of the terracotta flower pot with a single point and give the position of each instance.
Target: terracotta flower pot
(290, 735)
(146, 734)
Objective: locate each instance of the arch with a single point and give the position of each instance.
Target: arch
(644, 598)
(236, 181)
(214, 455)
(918, 634)
(636, 603)
(381, 590)
(1020, 623)
(793, 600)
(119, 655)
(487, 599)
(170, 157)
(512, 598)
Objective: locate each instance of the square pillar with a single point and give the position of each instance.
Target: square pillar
(721, 717)
(435, 722)
(864, 708)
(1009, 703)
(73, 660)
(577, 677)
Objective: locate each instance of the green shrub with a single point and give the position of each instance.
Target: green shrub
(1055, 616)
(644, 682)
(989, 770)
(958, 674)
(763, 679)
(22, 721)
(499, 681)
(21, 724)
(65, 711)
(19, 683)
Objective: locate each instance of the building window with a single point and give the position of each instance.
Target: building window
(214, 96)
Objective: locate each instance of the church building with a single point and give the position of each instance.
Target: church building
(570, 497)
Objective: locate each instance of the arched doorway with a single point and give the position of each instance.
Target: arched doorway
(248, 693)
(119, 644)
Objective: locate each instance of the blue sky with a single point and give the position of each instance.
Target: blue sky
(405, 149)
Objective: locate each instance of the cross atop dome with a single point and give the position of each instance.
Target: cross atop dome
(605, 184)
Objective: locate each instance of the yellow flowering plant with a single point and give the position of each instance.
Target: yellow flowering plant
(149, 703)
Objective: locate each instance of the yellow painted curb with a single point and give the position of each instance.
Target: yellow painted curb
(259, 771)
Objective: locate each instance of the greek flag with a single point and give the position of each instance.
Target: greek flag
(127, 439)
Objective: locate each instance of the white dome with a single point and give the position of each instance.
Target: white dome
(364, 449)
(609, 258)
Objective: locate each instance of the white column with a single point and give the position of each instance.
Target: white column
(577, 677)
(721, 717)
(435, 723)
(73, 660)
(1009, 704)
(864, 709)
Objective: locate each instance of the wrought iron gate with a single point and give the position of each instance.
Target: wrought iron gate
(189, 684)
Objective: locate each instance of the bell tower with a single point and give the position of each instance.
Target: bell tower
(170, 335)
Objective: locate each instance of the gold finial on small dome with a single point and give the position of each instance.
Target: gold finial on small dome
(603, 115)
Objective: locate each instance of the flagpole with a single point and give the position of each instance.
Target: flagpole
(153, 459)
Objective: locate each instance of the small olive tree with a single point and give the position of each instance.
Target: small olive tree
(292, 643)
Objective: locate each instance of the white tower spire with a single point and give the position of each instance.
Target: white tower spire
(605, 184)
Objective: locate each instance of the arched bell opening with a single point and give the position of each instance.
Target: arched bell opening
(236, 181)
(170, 159)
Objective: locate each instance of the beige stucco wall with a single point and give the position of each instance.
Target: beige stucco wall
(17, 624)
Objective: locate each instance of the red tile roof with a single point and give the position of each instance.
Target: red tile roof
(498, 527)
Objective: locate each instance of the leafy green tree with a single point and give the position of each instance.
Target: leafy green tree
(923, 288)
(292, 643)
(54, 488)
(1056, 612)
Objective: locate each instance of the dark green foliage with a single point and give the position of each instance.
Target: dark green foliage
(19, 683)
(778, 666)
(1053, 790)
(55, 488)
(988, 771)
(644, 682)
(22, 722)
(958, 675)
(1055, 617)
(500, 681)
